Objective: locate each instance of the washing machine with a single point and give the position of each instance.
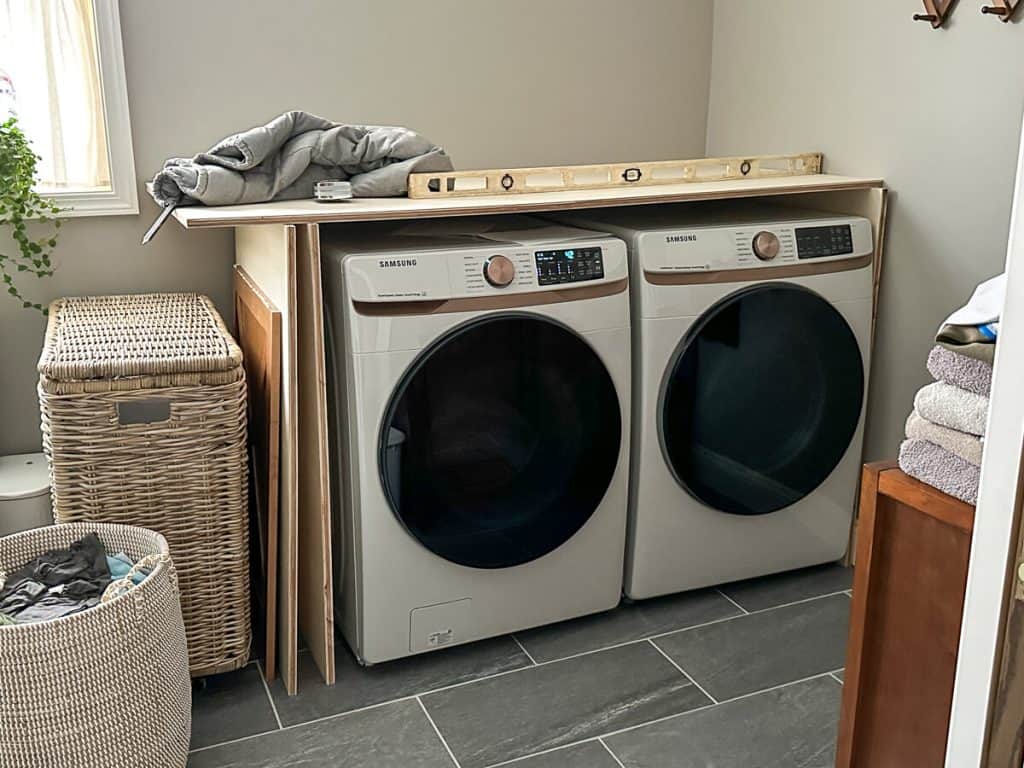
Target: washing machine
(479, 398)
(752, 334)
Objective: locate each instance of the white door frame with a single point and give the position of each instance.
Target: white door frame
(994, 521)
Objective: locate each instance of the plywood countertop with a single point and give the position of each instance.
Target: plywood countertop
(394, 208)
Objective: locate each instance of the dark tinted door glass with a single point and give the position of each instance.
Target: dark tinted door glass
(501, 441)
(762, 399)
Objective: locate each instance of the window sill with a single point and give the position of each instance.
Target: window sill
(107, 203)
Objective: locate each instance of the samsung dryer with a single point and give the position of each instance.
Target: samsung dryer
(479, 396)
(752, 335)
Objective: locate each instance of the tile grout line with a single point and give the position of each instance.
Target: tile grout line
(737, 605)
(266, 688)
(835, 677)
(523, 649)
(229, 742)
(437, 731)
(658, 720)
(615, 757)
(538, 664)
(682, 671)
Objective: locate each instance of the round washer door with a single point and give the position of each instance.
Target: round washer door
(500, 441)
(761, 399)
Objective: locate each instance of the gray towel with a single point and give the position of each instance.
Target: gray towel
(967, 447)
(984, 352)
(283, 159)
(940, 469)
(952, 407)
(960, 370)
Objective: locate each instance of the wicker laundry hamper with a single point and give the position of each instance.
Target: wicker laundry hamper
(105, 687)
(144, 423)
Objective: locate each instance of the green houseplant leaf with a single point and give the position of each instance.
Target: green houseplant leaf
(30, 218)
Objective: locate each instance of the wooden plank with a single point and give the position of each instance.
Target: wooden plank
(316, 588)
(258, 323)
(905, 625)
(398, 208)
(518, 181)
(858, 616)
(927, 499)
(267, 254)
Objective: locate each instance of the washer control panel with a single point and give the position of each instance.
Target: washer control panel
(569, 265)
(545, 265)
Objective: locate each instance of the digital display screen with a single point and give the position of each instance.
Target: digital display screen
(569, 265)
(817, 242)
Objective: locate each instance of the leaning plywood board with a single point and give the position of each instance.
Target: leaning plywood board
(316, 592)
(258, 324)
(267, 254)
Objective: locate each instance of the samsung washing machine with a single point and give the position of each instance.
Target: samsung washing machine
(479, 392)
(752, 334)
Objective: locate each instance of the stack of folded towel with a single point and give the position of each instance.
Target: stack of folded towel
(946, 430)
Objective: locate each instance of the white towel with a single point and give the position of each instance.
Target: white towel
(952, 407)
(967, 447)
(985, 304)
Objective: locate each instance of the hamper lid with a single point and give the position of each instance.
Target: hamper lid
(104, 337)
(23, 476)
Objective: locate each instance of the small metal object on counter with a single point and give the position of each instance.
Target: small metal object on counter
(332, 191)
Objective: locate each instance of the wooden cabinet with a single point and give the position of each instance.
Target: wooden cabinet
(908, 596)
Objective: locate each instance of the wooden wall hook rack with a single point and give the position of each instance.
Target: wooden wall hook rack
(936, 12)
(1004, 9)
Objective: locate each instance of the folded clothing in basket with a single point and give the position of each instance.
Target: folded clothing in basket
(62, 582)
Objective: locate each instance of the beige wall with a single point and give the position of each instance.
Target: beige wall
(937, 113)
(496, 82)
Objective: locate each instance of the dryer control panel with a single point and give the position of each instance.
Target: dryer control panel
(754, 245)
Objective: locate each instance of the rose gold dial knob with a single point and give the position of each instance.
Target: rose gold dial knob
(766, 245)
(499, 271)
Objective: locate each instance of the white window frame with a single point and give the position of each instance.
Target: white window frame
(123, 196)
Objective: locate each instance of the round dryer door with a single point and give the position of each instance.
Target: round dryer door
(500, 441)
(761, 399)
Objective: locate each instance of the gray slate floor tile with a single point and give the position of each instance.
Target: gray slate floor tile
(782, 588)
(628, 622)
(358, 687)
(762, 650)
(396, 735)
(559, 703)
(791, 727)
(589, 755)
(230, 706)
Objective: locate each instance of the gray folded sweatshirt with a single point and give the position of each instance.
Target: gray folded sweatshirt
(283, 159)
